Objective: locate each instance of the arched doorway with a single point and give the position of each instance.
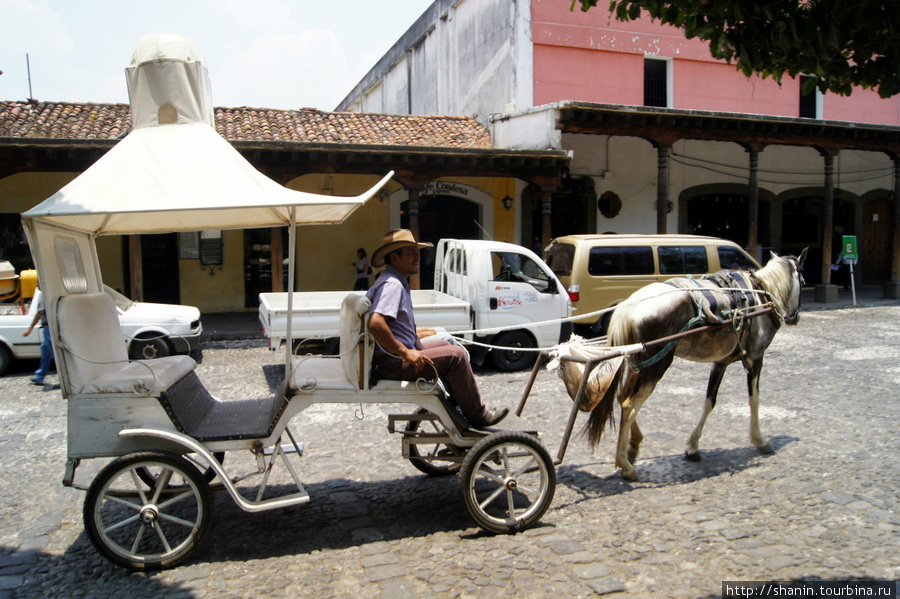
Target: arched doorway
(725, 215)
(441, 216)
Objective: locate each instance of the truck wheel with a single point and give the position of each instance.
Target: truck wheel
(5, 359)
(511, 359)
(148, 349)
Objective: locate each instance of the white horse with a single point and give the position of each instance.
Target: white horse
(663, 309)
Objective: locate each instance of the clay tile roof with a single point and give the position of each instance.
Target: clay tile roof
(73, 120)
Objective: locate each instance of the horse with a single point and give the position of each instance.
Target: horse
(660, 310)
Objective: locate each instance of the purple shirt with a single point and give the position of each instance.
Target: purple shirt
(390, 297)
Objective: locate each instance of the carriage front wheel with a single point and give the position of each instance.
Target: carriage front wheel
(148, 525)
(507, 481)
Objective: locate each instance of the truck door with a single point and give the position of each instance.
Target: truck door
(523, 292)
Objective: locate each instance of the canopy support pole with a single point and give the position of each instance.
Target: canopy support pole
(289, 340)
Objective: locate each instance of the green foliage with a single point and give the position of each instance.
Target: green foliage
(839, 43)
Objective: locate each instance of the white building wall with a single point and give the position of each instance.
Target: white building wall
(459, 58)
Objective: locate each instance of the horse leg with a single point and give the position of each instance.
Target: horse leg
(630, 408)
(712, 391)
(756, 437)
(634, 444)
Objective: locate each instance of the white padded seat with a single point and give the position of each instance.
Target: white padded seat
(95, 356)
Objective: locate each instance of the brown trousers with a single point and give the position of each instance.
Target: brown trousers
(453, 367)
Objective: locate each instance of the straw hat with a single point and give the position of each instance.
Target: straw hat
(396, 239)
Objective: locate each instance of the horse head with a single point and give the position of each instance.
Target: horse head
(782, 277)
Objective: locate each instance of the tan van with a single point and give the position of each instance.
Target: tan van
(599, 271)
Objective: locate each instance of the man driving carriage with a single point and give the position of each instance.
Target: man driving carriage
(400, 353)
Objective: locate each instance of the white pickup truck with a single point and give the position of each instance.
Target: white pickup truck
(149, 330)
(502, 291)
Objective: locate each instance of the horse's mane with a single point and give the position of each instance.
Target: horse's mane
(777, 278)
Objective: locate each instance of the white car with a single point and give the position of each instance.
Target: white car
(156, 330)
(150, 330)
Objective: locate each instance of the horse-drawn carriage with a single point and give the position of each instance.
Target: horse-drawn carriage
(168, 435)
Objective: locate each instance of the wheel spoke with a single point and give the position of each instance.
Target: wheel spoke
(137, 540)
(120, 524)
(162, 537)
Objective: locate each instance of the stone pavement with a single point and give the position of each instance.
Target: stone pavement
(823, 506)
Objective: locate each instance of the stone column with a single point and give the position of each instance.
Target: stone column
(662, 187)
(825, 291)
(753, 207)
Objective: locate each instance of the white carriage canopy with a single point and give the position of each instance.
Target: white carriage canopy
(173, 172)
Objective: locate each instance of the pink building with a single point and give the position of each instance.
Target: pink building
(686, 143)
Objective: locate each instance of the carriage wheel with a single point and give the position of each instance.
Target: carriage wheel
(431, 458)
(507, 481)
(148, 526)
(208, 472)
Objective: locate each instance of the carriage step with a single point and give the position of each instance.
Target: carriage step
(286, 448)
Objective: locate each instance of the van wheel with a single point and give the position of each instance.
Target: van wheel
(509, 358)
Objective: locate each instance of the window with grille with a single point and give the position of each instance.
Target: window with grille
(656, 92)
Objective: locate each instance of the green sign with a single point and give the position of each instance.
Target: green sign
(849, 243)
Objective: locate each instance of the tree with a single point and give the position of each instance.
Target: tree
(838, 43)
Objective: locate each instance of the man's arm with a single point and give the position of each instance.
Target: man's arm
(383, 335)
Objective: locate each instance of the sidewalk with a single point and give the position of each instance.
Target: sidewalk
(234, 326)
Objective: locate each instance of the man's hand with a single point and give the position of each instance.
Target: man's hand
(379, 328)
(422, 332)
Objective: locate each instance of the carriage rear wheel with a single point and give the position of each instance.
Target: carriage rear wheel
(434, 459)
(507, 481)
(208, 472)
(148, 526)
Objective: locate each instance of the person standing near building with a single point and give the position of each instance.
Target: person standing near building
(400, 354)
(40, 317)
(363, 270)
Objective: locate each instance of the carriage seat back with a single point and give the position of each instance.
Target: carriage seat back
(96, 360)
(347, 371)
(354, 310)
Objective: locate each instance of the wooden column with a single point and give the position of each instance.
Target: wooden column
(414, 227)
(136, 268)
(546, 214)
(277, 260)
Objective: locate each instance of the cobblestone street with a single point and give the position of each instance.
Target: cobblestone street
(824, 505)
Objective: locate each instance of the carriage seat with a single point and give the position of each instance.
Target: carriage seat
(346, 371)
(96, 359)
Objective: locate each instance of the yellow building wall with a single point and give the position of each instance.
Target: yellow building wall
(222, 291)
(326, 254)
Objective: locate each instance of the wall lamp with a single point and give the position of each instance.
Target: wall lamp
(507, 202)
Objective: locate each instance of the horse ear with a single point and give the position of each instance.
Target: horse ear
(774, 255)
(803, 256)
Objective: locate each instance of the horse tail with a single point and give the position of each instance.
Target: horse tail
(604, 413)
(618, 333)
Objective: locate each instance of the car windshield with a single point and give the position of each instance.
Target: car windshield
(122, 302)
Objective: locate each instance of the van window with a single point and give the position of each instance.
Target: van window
(510, 266)
(683, 260)
(559, 257)
(606, 261)
(732, 258)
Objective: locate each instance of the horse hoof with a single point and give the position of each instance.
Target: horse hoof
(765, 449)
(693, 456)
(632, 456)
(630, 476)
